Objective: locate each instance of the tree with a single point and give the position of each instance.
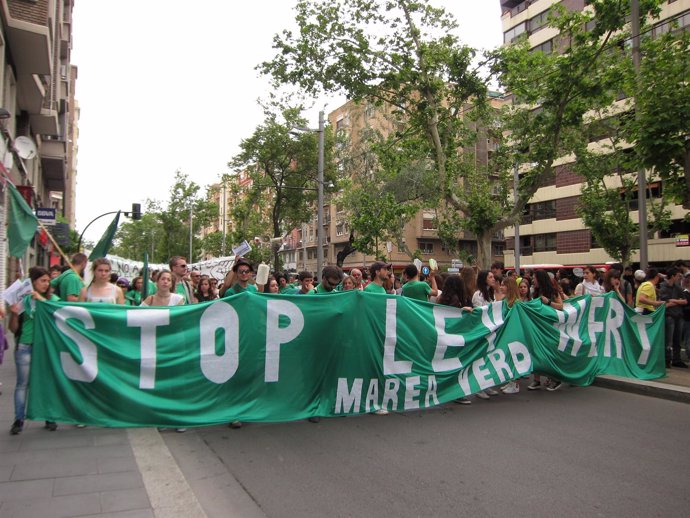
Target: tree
(164, 232)
(281, 166)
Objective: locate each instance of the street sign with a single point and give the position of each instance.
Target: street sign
(47, 215)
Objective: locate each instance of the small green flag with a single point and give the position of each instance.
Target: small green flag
(106, 241)
(22, 225)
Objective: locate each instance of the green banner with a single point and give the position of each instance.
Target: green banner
(256, 357)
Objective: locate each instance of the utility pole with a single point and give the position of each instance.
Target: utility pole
(319, 219)
(641, 173)
(516, 186)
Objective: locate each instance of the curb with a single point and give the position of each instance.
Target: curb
(645, 388)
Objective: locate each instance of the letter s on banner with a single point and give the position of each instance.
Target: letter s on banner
(276, 336)
(88, 369)
(220, 315)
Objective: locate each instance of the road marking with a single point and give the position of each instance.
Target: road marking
(168, 489)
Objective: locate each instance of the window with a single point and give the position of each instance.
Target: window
(546, 47)
(539, 21)
(545, 242)
(511, 35)
(678, 22)
(341, 229)
(426, 247)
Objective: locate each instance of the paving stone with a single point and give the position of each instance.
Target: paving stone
(25, 489)
(124, 500)
(59, 507)
(5, 472)
(98, 483)
(140, 513)
(52, 469)
(117, 464)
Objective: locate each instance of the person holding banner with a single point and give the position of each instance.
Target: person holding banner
(237, 279)
(67, 286)
(101, 290)
(22, 325)
(483, 296)
(165, 292)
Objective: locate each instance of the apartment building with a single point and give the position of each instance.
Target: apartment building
(37, 103)
(351, 122)
(551, 232)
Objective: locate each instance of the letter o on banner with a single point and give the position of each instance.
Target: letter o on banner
(220, 315)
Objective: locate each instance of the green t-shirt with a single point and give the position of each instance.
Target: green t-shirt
(133, 298)
(27, 332)
(298, 291)
(372, 287)
(236, 288)
(417, 290)
(67, 283)
(320, 290)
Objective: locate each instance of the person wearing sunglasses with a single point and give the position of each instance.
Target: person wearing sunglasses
(179, 268)
(330, 280)
(237, 279)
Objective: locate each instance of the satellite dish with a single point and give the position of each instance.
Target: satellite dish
(25, 148)
(578, 272)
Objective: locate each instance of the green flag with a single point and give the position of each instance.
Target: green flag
(22, 225)
(106, 241)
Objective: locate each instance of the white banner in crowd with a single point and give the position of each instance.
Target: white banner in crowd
(130, 269)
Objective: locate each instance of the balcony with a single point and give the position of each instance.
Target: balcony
(53, 159)
(29, 43)
(46, 121)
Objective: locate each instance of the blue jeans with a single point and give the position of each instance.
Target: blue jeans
(22, 359)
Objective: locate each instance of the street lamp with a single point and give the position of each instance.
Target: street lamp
(319, 190)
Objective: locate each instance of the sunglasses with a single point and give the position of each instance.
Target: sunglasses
(242, 272)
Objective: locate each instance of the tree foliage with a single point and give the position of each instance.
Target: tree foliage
(164, 232)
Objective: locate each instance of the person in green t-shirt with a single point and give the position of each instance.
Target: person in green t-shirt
(330, 280)
(22, 325)
(416, 289)
(379, 274)
(67, 286)
(306, 285)
(237, 279)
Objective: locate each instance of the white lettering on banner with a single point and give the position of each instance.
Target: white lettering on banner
(347, 401)
(492, 321)
(642, 321)
(432, 387)
(595, 326)
(372, 399)
(277, 336)
(390, 365)
(390, 393)
(498, 360)
(411, 392)
(445, 340)
(569, 326)
(148, 321)
(220, 315)
(87, 370)
(614, 321)
(521, 357)
(482, 374)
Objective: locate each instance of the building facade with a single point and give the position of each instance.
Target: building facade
(551, 232)
(37, 99)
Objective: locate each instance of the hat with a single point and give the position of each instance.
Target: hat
(640, 275)
(378, 265)
(122, 281)
(241, 262)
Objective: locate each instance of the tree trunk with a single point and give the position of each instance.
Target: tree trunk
(484, 250)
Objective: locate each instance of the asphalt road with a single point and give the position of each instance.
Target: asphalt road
(575, 452)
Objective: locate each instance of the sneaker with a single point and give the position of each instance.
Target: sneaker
(535, 385)
(17, 427)
(554, 385)
(463, 401)
(482, 395)
(235, 425)
(381, 411)
(180, 430)
(51, 426)
(492, 392)
(80, 425)
(511, 388)
(314, 419)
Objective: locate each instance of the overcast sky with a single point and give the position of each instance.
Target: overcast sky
(170, 84)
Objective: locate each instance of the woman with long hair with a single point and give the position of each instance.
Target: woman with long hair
(203, 290)
(511, 295)
(348, 283)
(589, 285)
(133, 294)
(612, 282)
(272, 286)
(454, 294)
(546, 290)
(483, 296)
(165, 292)
(524, 290)
(469, 279)
(101, 290)
(22, 325)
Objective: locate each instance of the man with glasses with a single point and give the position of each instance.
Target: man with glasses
(237, 279)
(330, 280)
(178, 267)
(194, 277)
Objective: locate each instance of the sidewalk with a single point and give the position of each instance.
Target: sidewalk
(675, 386)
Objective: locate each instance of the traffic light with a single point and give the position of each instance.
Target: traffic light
(136, 211)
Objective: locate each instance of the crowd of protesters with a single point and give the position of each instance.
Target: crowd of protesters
(645, 291)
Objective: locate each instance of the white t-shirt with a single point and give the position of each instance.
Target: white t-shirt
(175, 299)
